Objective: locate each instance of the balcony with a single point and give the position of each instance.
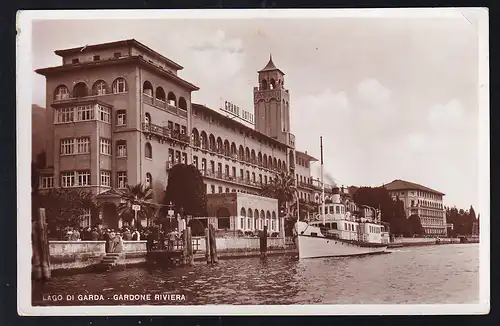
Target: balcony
(167, 106)
(230, 178)
(164, 133)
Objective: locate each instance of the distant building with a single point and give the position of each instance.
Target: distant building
(422, 201)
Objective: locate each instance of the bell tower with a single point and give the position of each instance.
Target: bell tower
(272, 104)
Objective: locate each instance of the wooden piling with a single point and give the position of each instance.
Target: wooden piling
(43, 244)
(213, 245)
(184, 247)
(263, 243)
(207, 246)
(190, 257)
(35, 246)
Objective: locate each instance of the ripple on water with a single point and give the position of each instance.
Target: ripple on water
(408, 275)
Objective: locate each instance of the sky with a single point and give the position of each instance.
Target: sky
(393, 98)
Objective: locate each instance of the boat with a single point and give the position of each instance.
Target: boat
(341, 228)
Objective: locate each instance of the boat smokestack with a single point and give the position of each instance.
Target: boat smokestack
(322, 182)
(336, 195)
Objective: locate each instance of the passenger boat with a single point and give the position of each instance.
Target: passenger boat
(341, 229)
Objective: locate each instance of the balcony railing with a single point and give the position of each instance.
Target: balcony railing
(165, 132)
(230, 178)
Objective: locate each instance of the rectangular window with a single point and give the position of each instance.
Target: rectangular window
(212, 188)
(83, 145)
(65, 115)
(85, 219)
(265, 179)
(46, 182)
(121, 148)
(234, 171)
(170, 125)
(195, 161)
(177, 128)
(219, 168)
(121, 118)
(104, 114)
(226, 169)
(183, 130)
(116, 55)
(75, 60)
(67, 146)
(241, 174)
(75, 179)
(227, 189)
(177, 157)
(248, 175)
(84, 113)
(184, 158)
(212, 166)
(337, 209)
(203, 165)
(106, 178)
(220, 190)
(121, 178)
(105, 146)
(97, 58)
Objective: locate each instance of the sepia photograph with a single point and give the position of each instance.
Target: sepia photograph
(226, 162)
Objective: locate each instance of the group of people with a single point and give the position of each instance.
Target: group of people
(160, 239)
(98, 233)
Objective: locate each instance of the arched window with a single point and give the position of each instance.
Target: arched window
(264, 161)
(279, 164)
(119, 85)
(61, 93)
(275, 163)
(272, 84)
(211, 141)
(195, 135)
(247, 154)
(252, 156)
(160, 94)
(147, 89)
(80, 90)
(243, 212)
(148, 151)
(241, 153)
(149, 180)
(234, 152)
(250, 213)
(270, 162)
(264, 84)
(220, 145)
(100, 88)
(204, 140)
(147, 118)
(259, 158)
(171, 99)
(182, 104)
(227, 149)
(283, 166)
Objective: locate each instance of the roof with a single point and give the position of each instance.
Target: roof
(129, 42)
(407, 185)
(270, 66)
(306, 156)
(115, 61)
(239, 124)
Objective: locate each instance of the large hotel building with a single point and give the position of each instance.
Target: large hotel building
(119, 113)
(422, 201)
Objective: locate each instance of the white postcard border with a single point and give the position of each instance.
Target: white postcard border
(477, 16)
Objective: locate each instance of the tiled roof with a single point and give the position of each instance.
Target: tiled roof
(407, 185)
(270, 66)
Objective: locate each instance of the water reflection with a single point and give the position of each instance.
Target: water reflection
(433, 274)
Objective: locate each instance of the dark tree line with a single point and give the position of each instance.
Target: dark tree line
(462, 220)
(393, 211)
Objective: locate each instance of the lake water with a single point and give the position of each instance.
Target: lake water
(429, 274)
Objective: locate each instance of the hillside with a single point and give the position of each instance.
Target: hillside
(38, 124)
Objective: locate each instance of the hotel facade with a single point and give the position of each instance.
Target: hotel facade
(119, 113)
(422, 201)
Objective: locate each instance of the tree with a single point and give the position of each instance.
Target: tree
(306, 208)
(137, 195)
(64, 207)
(282, 188)
(185, 190)
(414, 226)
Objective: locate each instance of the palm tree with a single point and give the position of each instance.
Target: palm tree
(137, 195)
(282, 188)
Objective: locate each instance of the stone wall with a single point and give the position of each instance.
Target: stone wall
(85, 254)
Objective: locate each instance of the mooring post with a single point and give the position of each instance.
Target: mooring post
(213, 245)
(263, 243)
(207, 246)
(35, 246)
(190, 257)
(185, 247)
(44, 244)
